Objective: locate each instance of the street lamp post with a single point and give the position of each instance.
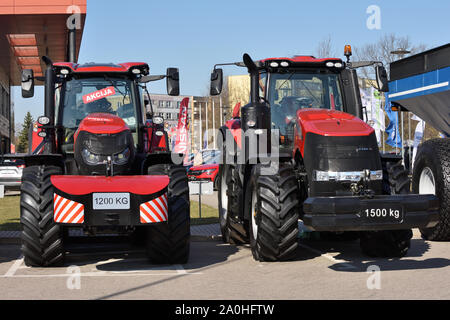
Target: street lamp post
(401, 52)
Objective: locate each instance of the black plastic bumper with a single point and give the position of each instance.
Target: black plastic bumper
(348, 213)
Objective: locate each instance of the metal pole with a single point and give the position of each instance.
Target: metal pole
(200, 199)
(221, 111)
(201, 126)
(403, 141)
(207, 100)
(214, 124)
(409, 140)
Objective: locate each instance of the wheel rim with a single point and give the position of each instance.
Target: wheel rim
(253, 213)
(223, 193)
(427, 184)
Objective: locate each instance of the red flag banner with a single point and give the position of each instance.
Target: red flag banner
(182, 139)
(237, 110)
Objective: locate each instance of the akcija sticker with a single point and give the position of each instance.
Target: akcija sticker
(99, 94)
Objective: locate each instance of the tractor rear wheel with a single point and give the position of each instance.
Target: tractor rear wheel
(42, 238)
(170, 242)
(273, 212)
(432, 176)
(230, 194)
(389, 243)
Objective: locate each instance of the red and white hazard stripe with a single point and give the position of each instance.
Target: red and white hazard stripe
(67, 211)
(155, 210)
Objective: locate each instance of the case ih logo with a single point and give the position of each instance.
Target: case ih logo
(97, 95)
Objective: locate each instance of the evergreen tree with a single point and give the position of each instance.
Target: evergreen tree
(22, 146)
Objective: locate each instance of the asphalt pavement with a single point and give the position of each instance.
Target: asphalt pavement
(321, 270)
(113, 268)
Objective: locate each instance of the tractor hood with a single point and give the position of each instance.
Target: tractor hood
(103, 144)
(102, 123)
(331, 123)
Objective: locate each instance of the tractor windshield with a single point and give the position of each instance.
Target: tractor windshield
(289, 92)
(81, 97)
(85, 96)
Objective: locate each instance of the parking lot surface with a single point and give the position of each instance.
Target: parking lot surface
(322, 270)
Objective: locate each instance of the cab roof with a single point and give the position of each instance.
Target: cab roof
(294, 59)
(125, 67)
(298, 61)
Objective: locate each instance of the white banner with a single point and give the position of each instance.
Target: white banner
(371, 100)
(418, 136)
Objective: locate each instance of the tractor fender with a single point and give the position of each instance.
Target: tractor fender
(35, 142)
(234, 126)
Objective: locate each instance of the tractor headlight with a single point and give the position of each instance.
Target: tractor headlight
(91, 158)
(353, 176)
(122, 157)
(321, 175)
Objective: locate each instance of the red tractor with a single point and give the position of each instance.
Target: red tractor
(301, 150)
(102, 163)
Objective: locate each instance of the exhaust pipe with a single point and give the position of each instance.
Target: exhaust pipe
(49, 109)
(72, 45)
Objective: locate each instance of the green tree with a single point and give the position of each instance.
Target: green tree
(28, 121)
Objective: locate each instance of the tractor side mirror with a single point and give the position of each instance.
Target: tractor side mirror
(27, 83)
(216, 82)
(382, 79)
(173, 82)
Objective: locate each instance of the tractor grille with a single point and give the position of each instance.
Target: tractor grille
(340, 154)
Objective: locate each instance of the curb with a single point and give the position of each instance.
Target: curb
(10, 241)
(194, 238)
(199, 233)
(198, 238)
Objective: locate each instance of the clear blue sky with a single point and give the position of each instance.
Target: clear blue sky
(194, 35)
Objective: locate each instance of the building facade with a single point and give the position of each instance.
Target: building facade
(28, 31)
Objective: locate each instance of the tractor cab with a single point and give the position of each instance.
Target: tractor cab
(303, 82)
(288, 85)
(101, 105)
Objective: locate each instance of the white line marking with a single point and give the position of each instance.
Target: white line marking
(180, 269)
(344, 264)
(100, 274)
(433, 86)
(138, 271)
(16, 265)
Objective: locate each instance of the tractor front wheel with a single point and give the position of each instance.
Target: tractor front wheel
(42, 238)
(273, 213)
(169, 242)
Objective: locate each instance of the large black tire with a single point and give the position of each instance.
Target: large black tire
(272, 204)
(42, 238)
(230, 199)
(433, 159)
(169, 243)
(139, 235)
(389, 243)
(222, 197)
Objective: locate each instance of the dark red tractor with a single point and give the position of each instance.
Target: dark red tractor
(301, 151)
(99, 161)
